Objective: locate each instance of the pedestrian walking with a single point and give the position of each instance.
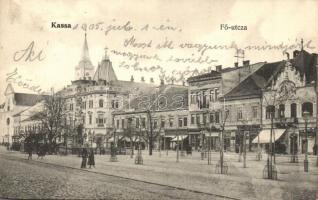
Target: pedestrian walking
(91, 159)
(84, 158)
(30, 149)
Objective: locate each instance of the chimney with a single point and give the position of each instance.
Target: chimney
(218, 68)
(295, 53)
(132, 78)
(162, 82)
(236, 64)
(246, 63)
(151, 80)
(142, 79)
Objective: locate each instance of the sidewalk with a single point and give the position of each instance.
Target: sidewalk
(193, 173)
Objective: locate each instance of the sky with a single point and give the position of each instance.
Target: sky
(181, 21)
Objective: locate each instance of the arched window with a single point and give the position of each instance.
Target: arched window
(293, 110)
(270, 110)
(281, 111)
(101, 103)
(307, 107)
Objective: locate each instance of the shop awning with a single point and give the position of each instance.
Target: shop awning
(213, 134)
(264, 135)
(180, 138)
(170, 136)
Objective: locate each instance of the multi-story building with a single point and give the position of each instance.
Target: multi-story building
(207, 106)
(161, 114)
(92, 97)
(284, 90)
(17, 99)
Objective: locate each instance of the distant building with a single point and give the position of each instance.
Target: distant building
(17, 99)
(163, 110)
(94, 95)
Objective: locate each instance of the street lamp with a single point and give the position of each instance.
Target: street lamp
(177, 146)
(306, 115)
(294, 157)
(113, 149)
(138, 159)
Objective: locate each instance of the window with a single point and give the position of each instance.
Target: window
(101, 103)
(204, 118)
(212, 95)
(155, 124)
(198, 119)
(211, 118)
(90, 104)
(204, 101)
(71, 107)
(117, 123)
(122, 123)
(281, 111)
(307, 107)
(192, 119)
(171, 122)
(100, 121)
(198, 99)
(192, 98)
(143, 122)
(162, 123)
(254, 110)
(216, 91)
(217, 117)
(270, 112)
(180, 122)
(239, 113)
(137, 122)
(84, 105)
(185, 121)
(90, 118)
(116, 104)
(293, 110)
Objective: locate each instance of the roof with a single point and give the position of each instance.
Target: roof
(207, 76)
(252, 85)
(231, 77)
(23, 99)
(85, 61)
(105, 71)
(305, 63)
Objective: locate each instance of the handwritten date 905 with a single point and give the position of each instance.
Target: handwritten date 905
(126, 27)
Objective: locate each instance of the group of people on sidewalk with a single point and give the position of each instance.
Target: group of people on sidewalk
(88, 158)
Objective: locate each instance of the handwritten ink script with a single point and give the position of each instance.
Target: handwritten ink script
(143, 50)
(15, 78)
(127, 26)
(28, 54)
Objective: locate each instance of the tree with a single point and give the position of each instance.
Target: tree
(150, 136)
(53, 117)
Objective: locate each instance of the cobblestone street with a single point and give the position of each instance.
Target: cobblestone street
(160, 177)
(34, 180)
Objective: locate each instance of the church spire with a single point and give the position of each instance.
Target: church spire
(85, 52)
(85, 68)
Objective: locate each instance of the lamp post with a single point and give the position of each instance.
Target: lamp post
(177, 146)
(138, 159)
(306, 116)
(209, 148)
(113, 156)
(293, 158)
